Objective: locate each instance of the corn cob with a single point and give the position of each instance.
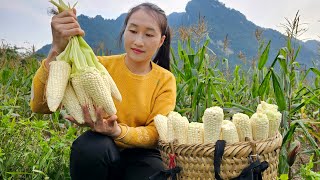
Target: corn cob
(113, 87)
(170, 130)
(229, 132)
(242, 123)
(260, 126)
(83, 97)
(94, 62)
(57, 82)
(72, 105)
(180, 126)
(274, 122)
(161, 123)
(93, 84)
(212, 120)
(266, 106)
(195, 133)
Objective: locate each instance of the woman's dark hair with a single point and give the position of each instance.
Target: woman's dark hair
(162, 57)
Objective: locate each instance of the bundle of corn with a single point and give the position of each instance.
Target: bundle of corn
(90, 84)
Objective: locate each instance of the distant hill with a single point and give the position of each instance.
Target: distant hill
(222, 22)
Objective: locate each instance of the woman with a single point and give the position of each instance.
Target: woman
(122, 146)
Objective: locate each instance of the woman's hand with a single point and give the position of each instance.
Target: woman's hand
(63, 26)
(107, 126)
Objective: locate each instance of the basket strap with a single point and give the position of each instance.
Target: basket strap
(253, 171)
(165, 174)
(218, 153)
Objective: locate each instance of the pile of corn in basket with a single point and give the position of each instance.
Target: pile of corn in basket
(247, 140)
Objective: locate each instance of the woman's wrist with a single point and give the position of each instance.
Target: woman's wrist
(51, 57)
(117, 133)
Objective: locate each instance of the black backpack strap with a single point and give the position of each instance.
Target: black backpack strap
(218, 153)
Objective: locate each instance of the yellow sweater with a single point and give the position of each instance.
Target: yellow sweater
(143, 97)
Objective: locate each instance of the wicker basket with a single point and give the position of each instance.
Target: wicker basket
(197, 160)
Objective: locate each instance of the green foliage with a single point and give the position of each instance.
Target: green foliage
(32, 146)
(33, 149)
(307, 173)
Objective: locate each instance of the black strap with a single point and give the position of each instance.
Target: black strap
(165, 174)
(218, 153)
(252, 172)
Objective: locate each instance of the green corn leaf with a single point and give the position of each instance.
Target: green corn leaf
(315, 71)
(278, 92)
(209, 95)
(304, 103)
(265, 83)
(255, 86)
(308, 136)
(217, 96)
(289, 134)
(202, 57)
(264, 57)
(244, 108)
(296, 54)
(197, 95)
(283, 63)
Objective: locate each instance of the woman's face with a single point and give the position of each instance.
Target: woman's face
(142, 37)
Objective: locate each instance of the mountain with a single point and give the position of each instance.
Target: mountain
(222, 23)
(313, 45)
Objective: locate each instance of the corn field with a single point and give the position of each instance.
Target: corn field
(35, 146)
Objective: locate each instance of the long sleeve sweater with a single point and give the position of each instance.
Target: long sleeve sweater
(143, 97)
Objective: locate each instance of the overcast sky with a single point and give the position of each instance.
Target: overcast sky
(26, 22)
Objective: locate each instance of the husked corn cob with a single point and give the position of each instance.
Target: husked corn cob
(274, 118)
(170, 130)
(181, 130)
(180, 126)
(57, 82)
(242, 123)
(229, 132)
(94, 85)
(161, 123)
(260, 126)
(113, 87)
(83, 97)
(72, 105)
(266, 106)
(105, 74)
(212, 120)
(195, 133)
